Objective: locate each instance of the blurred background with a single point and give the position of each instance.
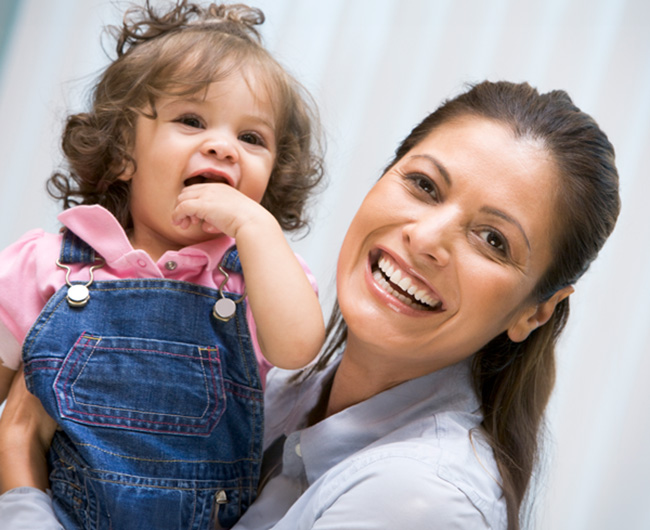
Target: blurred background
(375, 68)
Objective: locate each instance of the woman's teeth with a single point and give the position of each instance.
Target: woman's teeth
(404, 283)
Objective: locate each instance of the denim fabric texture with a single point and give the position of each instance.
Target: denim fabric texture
(160, 403)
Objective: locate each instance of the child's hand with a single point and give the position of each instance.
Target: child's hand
(219, 208)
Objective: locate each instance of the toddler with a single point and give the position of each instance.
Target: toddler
(138, 332)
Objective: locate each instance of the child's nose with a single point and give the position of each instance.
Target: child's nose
(222, 147)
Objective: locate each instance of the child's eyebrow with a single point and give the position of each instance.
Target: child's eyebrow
(179, 100)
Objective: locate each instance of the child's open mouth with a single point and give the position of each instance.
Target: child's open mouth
(204, 178)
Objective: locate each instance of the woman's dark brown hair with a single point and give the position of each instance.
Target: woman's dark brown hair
(178, 52)
(514, 380)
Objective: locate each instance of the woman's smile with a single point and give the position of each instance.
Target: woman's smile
(399, 282)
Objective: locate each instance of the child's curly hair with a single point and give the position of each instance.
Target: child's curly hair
(181, 52)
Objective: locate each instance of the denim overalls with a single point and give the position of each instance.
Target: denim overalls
(159, 403)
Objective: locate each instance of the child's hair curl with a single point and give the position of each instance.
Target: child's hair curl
(181, 52)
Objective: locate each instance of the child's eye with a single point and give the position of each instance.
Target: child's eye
(191, 120)
(425, 185)
(252, 138)
(495, 240)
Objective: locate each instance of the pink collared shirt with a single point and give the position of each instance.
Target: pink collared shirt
(29, 275)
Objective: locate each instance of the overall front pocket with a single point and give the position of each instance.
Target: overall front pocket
(141, 384)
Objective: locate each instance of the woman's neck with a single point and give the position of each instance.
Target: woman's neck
(356, 380)
(365, 371)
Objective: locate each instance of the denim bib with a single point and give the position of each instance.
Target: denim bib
(159, 403)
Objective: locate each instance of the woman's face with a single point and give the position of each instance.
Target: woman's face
(446, 249)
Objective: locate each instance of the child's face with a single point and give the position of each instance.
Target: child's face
(226, 136)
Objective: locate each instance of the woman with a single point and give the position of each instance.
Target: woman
(453, 283)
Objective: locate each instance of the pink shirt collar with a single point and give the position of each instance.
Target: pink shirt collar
(97, 226)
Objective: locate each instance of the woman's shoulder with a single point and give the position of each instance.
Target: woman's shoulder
(446, 473)
(414, 488)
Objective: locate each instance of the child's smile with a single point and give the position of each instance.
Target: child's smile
(225, 135)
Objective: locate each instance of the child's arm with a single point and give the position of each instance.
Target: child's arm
(287, 312)
(26, 431)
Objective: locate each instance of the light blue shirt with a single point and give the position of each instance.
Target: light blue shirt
(409, 457)
(27, 509)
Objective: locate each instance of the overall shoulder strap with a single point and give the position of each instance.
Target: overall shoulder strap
(230, 260)
(75, 250)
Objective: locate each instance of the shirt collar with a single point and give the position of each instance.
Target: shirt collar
(101, 230)
(334, 439)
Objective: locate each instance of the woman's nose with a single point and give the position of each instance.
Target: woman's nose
(222, 147)
(432, 234)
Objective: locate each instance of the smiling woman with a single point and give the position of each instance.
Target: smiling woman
(453, 284)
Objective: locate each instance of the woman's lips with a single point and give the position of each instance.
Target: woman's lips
(397, 282)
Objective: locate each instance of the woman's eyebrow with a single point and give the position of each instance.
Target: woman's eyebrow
(502, 215)
(441, 169)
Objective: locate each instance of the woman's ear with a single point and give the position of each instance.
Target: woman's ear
(536, 315)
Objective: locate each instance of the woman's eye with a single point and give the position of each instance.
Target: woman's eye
(425, 185)
(252, 138)
(191, 121)
(495, 240)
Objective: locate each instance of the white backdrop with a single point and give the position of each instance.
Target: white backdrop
(376, 67)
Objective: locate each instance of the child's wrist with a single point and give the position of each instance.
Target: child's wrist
(258, 224)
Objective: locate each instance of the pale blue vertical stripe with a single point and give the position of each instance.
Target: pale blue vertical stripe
(542, 45)
(316, 41)
(608, 24)
(8, 16)
(56, 35)
(431, 46)
(492, 30)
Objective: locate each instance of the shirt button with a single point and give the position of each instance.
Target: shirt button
(171, 265)
(142, 263)
(298, 450)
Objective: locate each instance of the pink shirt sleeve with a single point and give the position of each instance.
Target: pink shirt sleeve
(28, 278)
